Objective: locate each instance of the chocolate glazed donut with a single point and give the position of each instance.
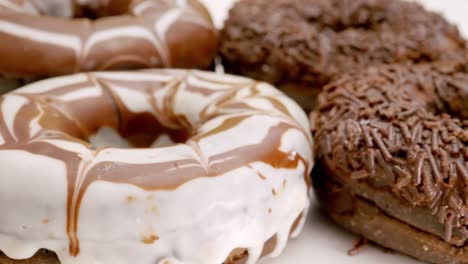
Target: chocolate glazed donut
(393, 157)
(300, 45)
(233, 186)
(103, 35)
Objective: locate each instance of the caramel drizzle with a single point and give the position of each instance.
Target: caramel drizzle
(69, 122)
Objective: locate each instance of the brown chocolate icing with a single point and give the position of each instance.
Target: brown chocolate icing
(126, 34)
(72, 121)
(301, 45)
(402, 132)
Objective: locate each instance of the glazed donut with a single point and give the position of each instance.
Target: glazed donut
(393, 157)
(234, 185)
(300, 45)
(42, 38)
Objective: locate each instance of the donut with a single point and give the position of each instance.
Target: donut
(43, 38)
(233, 184)
(301, 45)
(392, 162)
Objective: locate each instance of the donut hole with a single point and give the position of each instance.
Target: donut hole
(42, 256)
(93, 11)
(361, 19)
(329, 15)
(453, 98)
(140, 131)
(442, 93)
(108, 121)
(87, 12)
(301, 45)
(81, 9)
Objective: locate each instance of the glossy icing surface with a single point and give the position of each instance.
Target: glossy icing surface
(40, 38)
(237, 177)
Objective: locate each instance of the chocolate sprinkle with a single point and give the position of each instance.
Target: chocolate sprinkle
(412, 138)
(306, 43)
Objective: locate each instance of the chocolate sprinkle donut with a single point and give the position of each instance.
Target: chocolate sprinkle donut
(393, 146)
(300, 45)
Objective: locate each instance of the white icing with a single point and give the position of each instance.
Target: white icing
(163, 24)
(79, 148)
(119, 32)
(10, 107)
(141, 7)
(143, 76)
(162, 141)
(82, 93)
(196, 20)
(201, 221)
(191, 16)
(57, 8)
(108, 137)
(160, 95)
(292, 106)
(11, 5)
(292, 142)
(52, 84)
(184, 104)
(197, 82)
(217, 143)
(29, 8)
(172, 261)
(302, 221)
(135, 101)
(222, 78)
(34, 126)
(259, 103)
(245, 92)
(146, 156)
(93, 3)
(181, 3)
(84, 42)
(72, 42)
(212, 217)
(36, 178)
(254, 254)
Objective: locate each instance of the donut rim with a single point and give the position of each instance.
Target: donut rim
(224, 93)
(302, 45)
(377, 130)
(149, 34)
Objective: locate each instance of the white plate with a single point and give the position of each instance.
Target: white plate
(321, 241)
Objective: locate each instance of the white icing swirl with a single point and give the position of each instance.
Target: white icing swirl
(240, 180)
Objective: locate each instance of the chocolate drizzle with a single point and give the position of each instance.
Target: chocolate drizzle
(126, 34)
(54, 118)
(401, 130)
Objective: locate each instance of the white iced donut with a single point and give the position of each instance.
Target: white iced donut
(234, 180)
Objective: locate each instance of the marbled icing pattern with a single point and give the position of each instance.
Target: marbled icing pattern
(39, 40)
(237, 177)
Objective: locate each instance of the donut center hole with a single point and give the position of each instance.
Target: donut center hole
(93, 12)
(90, 9)
(140, 131)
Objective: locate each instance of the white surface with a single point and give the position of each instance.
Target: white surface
(321, 241)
